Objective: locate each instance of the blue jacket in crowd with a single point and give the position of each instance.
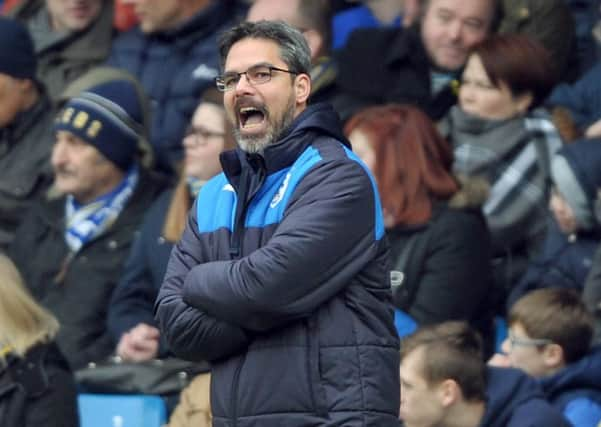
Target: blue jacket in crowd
(582, 99)
(576, 390)
(283, 286)
(175, 67)
(513, 399)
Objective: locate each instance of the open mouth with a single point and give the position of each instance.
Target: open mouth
(250, 117)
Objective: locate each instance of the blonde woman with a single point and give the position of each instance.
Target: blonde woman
(36, 384)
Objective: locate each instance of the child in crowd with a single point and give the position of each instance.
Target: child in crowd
(574, 233)
(445, 382)
(550, 332)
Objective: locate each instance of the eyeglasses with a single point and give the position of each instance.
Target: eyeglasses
(527, 342)
(202, 135)
(255, 75)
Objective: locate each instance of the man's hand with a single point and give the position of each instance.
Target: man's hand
(139, 344)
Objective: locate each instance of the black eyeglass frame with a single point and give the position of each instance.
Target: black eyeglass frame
(222, 86)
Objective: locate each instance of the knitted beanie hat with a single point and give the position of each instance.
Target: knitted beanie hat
(108, 116)
(17, 55)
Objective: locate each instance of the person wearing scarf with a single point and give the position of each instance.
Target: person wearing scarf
(71, 249)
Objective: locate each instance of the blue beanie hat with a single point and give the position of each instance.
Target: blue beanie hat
(17, 55)
(108, 116)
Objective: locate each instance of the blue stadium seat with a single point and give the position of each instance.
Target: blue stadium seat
(112, 410)
(500, 332)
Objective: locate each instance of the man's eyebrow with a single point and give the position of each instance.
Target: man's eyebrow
(258, 64)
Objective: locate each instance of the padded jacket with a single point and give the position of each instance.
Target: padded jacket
(175, 67)
(282, 285)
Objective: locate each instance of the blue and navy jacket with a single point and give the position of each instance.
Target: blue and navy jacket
(283, 286)
(175, 67)
(576, 390)
(513, 399)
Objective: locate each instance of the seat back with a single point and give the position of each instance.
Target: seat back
(112, 410)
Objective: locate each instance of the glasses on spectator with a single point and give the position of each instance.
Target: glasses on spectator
(527, 342)
(255, 75)
(201, 135)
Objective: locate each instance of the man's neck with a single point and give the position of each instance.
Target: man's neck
(466, 414)
(191, 8)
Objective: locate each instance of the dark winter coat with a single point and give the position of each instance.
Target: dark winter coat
(77, 288)
(174, 67)
(448, 274)
(513, 399)
(582, 98)
(379, 66)
(576, 390)
(564, 262)
(25, 171)
(38, 390)
(283, 286)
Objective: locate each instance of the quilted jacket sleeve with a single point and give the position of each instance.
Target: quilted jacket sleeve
(190, 332)
(330, 231)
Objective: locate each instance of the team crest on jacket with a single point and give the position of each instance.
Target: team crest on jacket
(280, 194)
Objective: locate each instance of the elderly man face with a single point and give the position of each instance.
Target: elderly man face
(450, 28)
(73, 15)
(81, 170)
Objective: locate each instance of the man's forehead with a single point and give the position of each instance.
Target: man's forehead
(475, 9)
(412, 366)
(271, 10)
(252, 51)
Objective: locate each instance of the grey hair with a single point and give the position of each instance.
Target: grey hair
(294, 50)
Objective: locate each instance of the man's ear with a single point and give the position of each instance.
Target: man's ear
(302, 88)
(448, 392)
(553, 356)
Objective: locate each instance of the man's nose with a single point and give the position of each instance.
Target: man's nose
(58, 153)
(454, 30)
(244, 85)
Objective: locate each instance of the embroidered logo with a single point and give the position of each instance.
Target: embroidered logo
(280, 194)
(204, 72)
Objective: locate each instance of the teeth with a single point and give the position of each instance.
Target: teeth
(248, 109)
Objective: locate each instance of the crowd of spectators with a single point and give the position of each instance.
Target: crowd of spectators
(479, 119)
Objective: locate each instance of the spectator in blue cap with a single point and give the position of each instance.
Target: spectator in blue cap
(71, 249)
(25, 129)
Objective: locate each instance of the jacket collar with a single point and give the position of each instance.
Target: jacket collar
(317, 119)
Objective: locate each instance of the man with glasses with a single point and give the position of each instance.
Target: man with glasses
(282, 285)
(445, 383)
(550, 332)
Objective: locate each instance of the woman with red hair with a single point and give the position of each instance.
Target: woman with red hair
(440, 244)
